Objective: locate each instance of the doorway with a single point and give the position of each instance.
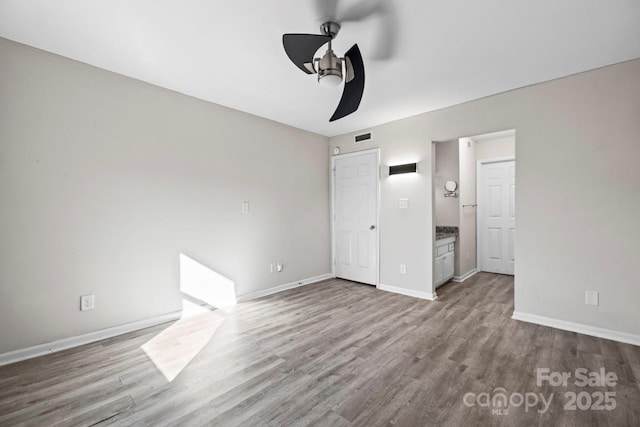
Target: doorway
(460, 232)
(355, 189)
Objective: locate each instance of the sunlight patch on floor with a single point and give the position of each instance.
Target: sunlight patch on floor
(208, 297)
(172, 349)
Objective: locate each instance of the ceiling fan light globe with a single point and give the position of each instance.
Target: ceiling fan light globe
(330, 80)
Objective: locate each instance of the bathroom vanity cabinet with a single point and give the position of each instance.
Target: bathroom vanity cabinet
(444, 260)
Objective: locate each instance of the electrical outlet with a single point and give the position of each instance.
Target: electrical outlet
(403, 269)
(591, 298)
(279, 266)
(273, 268)
(245, 207)
(86, 302)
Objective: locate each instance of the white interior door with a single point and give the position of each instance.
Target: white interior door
(355, 217)
(497, 216)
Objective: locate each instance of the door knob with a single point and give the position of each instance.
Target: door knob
(373, 227)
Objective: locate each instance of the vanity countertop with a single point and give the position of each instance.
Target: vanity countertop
(440, 236)
(444, 232)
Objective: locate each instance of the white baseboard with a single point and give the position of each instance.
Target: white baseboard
(465, 276)
(78, 340)
(285, 287)
(580, 328)
(66, 343)
(408, 292)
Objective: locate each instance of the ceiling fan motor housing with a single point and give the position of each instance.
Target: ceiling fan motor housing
(330, 69)
(330, 66)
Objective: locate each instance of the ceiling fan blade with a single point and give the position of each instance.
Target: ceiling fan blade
(387, 40)
(301, 47)
(353, 84)
(326, 9)
(362, 10)
(385, 16)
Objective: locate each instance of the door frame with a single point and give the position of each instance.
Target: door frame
(479, 204)
(332, 175)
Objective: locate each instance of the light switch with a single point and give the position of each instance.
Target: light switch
(245, 207)
(403, 203)
(591, 297)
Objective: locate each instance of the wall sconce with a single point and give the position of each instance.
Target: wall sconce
(408, 168)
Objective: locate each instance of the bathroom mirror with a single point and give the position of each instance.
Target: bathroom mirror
(451, 186)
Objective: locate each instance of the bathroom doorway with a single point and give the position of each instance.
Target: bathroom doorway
(469, 237)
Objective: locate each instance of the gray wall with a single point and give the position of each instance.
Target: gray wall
(447, 209)
(577, 192)
(466, 241)
(504, 146)
(105, 181)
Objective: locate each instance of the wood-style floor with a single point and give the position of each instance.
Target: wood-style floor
(334, 353)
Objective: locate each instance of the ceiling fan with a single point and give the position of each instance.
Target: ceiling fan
(331, 69)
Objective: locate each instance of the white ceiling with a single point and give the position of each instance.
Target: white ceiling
(230, 52)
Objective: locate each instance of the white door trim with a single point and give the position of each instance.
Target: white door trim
(479, 199)
(332, 170)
